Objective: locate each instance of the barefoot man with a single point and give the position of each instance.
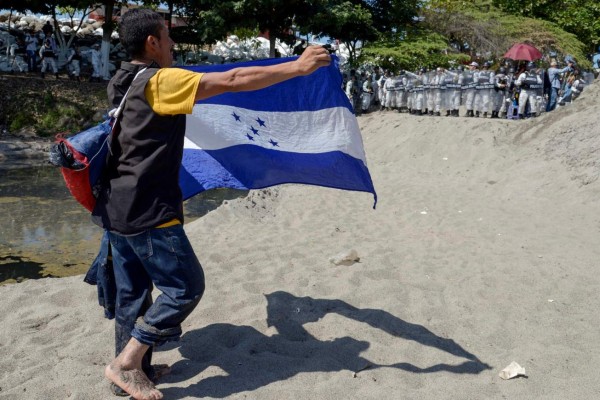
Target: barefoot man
(140, 203)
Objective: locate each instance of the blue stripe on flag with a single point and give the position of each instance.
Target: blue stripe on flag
(254, 167)
(297, 94)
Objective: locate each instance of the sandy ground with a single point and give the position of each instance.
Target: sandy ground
(483, 250)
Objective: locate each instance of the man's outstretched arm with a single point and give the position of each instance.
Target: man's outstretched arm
(254, 78)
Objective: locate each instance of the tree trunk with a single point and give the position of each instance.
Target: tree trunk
(170, 15)
(60, 40)
(107, 29)
(86, 11)
(350, 45)
(272, 40)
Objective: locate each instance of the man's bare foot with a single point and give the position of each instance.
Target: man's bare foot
(133, 381)
(157, 371)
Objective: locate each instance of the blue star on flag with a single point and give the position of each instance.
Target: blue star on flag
(237, 117)
(260, 121)
(250, 137)
(273, 143)
(254, 130)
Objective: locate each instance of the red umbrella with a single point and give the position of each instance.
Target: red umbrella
(523, 51)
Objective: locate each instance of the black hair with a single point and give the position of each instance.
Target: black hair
(135, 27)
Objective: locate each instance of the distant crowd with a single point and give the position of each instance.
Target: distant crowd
(39, 50)
(507, 92)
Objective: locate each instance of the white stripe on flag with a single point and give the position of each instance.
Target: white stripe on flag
(213, 127)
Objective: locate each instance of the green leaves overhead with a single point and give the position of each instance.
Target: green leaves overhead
(418, 48)
(410, 33)
(480, 28)
(579, 17)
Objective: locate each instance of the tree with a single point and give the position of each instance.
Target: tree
(392, 15)
(209, 21)
(70, 7)
(355, 23)
(172, 5)
(484, 30)
(579, 17)
(275, 17)
(411, 50)
(35, 6)
(107, 30)
(351, 24)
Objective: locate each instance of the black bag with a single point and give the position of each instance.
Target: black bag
(547, 83)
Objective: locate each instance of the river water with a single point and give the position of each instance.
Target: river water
(44, 232)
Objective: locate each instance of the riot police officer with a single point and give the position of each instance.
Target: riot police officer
(530, 84)
(484, 80)
(499, 96)
(468, 87)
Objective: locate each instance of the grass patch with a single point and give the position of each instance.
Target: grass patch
(20, 121)
(61, 119)
(48, 107)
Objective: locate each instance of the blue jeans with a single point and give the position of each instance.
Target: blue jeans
(162, 257)
(567, 96)
(552, 100)
(31, 60)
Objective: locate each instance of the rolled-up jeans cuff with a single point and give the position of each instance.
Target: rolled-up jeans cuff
(151, 336)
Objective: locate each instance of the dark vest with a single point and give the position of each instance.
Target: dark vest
(141, 180)
(47, 52)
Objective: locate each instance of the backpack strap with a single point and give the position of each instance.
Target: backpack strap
(115, 113)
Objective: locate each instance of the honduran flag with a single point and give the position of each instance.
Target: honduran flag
(302, 130)
(299, 131)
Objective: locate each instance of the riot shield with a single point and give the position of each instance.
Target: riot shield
(399, 85)
(537, 90)
(419, 93)
(453, 82)
(588, 78)
(445, 98)
(390, 96)
(408, 89)
(483, 91)
(428, 93)
(499, 95)
(437, 78)
(381, 90)
(468, 88)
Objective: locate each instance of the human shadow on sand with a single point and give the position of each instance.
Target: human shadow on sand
(240, 358)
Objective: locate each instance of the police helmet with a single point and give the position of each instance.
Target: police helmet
(461, 68)
(511, 70)
(423, 69)
(487, 64)
(530, 66)
(569, 59)
(502, 70)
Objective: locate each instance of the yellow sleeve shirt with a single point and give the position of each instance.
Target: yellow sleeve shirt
(172, 91)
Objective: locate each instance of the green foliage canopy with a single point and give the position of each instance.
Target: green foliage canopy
(414, 49)
(483, 30)
(579, 17)
(387, 30)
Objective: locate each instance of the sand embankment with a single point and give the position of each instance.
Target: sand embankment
(483, 250)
